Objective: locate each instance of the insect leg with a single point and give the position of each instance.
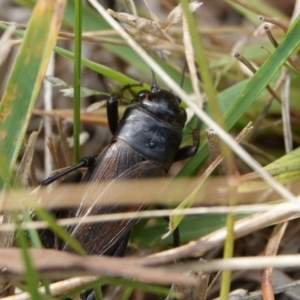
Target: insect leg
(112, 113)
(112, 108)
(120, 250)
(189, 151)
(84, 162)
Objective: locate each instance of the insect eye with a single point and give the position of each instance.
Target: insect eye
(143, 95)
(140, 96)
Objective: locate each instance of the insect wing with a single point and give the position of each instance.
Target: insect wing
(104, 237)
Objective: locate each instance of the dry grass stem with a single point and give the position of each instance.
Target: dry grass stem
(6, 43)
(248, 64)
(220, 158)
(292, 61)
(285, 112)
(48, 105)
(237, 263)
(52, 264)
(275, 21)
(210, 195)
(271, 250)
(57, 265)
(197, 292)
(25, 166)
(241, 209)
(189, 55)
(257, 295)
(215, 239)
(266, 107)
(214, 149)
(57, 288)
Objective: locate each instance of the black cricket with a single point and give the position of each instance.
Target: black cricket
(145, 143)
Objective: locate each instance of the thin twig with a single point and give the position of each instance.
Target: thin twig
(271, 250)
(241, 209)
(266, 108)
(274, 21)
(47, 120)
(275, 44)
(270, 35)
(257, 150)
(285, 112)
(214, 148)
(189, 54)
(257, 295)
(248, 64)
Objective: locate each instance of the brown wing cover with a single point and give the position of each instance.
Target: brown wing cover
(118, 161)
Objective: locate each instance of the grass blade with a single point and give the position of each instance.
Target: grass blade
(26, 76)
(253, 89)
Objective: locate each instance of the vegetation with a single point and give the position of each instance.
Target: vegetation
(243, 219)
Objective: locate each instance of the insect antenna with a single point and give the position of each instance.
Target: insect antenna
(183, 74)
(154, 87)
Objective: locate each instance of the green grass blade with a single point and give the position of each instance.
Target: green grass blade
(261, 8)
(59, 231)
(253, 89)
(226, 100)
(31, 275)
(104, 281)
(265, 73)
(92, 21)
(27, 75)
(33, 234)
(101, 69)
(77, 79)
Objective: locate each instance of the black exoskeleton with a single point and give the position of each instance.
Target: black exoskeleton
(145, 143)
